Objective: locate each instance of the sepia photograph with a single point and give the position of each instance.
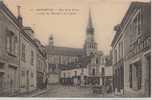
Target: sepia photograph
(75, 49)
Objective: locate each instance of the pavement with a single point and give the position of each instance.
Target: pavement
(33, 93)
(60, 91)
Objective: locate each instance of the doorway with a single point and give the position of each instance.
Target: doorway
(148, 75)
(27, 81)
(1, 82)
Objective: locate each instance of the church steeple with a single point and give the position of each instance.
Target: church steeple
(90, 28)
(90, 45)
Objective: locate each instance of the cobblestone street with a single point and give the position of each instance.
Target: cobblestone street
(70, 91)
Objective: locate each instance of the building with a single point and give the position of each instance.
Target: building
(106, 72)
(41, 65)
(118, 64)
(9, 52)
(88, 57)
(33, 63)
(71, 74)
(107, 79)
(58, 56)
(27, 60)
(131, 51)
(78, 74)
(19, 55)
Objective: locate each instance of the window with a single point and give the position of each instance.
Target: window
(32, 75)
(139, 76)
(64, 74)
(93, 71)
(32, 58)
(8, 43)
(23, 73)
(69, 74)
(102, 71)
(15, 45)
(97, 61)
(137, 23)
(11, 43)
(23, 53)
(75, 73)
(53, 68)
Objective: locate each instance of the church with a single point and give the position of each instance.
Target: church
(76, 65)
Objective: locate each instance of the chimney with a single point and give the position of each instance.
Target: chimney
(20, 20)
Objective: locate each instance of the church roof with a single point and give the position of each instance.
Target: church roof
(65, 51)
(82, 63)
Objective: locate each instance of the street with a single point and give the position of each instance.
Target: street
(70, 91)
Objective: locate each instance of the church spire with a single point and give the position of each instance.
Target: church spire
(90, 45)
(89, 19)
(90, 28)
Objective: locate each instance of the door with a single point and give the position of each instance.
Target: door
(12, 79)
(27, 80)
(1, 82)
(148, 74)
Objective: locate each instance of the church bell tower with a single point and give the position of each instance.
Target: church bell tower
(90, 46)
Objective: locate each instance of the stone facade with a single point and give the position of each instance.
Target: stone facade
(131, 52)
(41, 65)
(19, 55)
(27, 61)
(9, 55)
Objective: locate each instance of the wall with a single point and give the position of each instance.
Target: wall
(130, 38)
(28, 83)
(10, 61)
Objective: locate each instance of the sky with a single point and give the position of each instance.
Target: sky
(67, 20)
